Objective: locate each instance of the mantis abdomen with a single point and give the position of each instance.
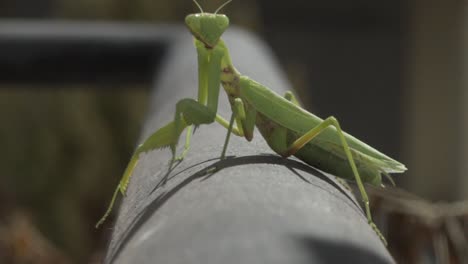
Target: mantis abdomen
(326, 156)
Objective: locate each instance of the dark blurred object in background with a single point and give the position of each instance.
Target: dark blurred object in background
(419, 231)
(65, 149)
(21, 242)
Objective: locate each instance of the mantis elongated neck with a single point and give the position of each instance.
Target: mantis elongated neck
(229, 74)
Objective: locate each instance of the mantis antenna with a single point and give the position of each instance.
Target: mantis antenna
(195, 1)
(219, 8)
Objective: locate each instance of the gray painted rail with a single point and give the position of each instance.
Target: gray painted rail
(259, 208)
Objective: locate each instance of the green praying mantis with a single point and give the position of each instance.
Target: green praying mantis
(284, 124)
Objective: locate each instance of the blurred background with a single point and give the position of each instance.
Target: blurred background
(393, 73)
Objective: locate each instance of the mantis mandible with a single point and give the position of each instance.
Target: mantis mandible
(287, 128)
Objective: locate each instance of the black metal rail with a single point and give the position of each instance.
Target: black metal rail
(38, 52)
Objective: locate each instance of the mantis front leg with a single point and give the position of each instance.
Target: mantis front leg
(189, 112)
(188, 137)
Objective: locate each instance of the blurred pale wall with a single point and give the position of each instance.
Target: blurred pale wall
(436, 120)
(463, 159)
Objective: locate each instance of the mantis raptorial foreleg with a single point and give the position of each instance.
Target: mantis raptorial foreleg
(189, 112)
(188, 137)
(161, 138)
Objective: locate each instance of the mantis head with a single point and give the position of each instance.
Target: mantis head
(207, 27)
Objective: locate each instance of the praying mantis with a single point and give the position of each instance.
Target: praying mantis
(286, 127)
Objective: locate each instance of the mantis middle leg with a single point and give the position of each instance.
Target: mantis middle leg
(235, 129)
(245, 122)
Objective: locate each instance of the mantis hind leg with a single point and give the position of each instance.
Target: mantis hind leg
(307, 137)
